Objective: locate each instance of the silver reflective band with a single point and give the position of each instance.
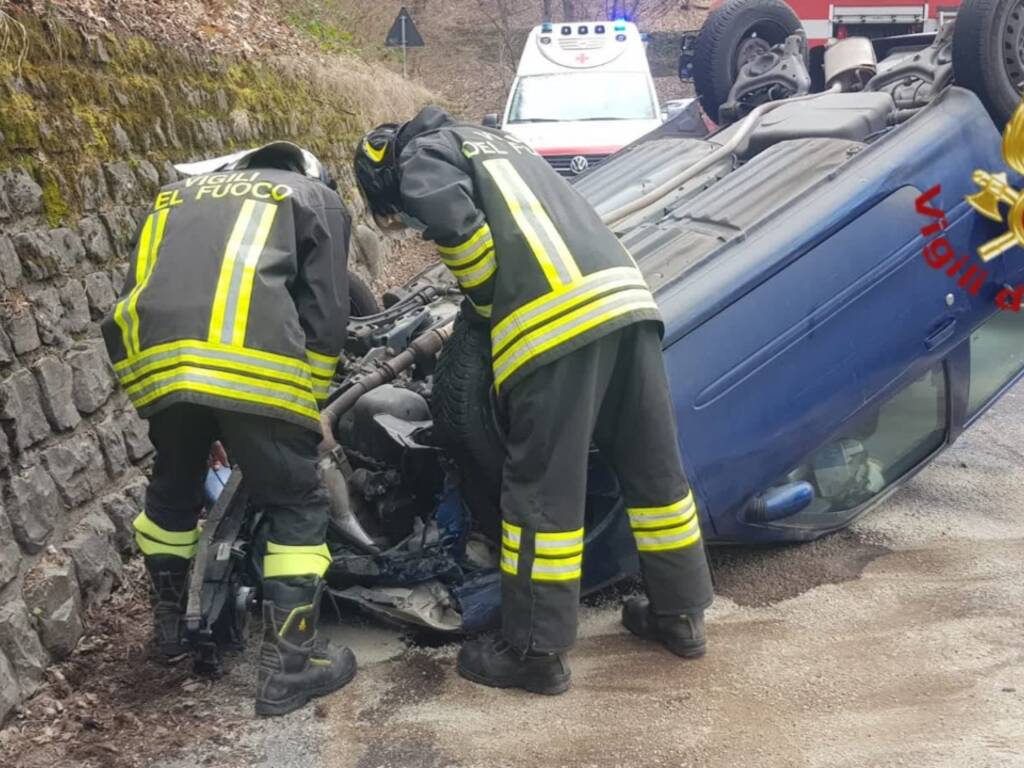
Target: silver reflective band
(556, 569)
(477, 274)
(143, 388)
(655, 520)
(670, 536)
(558, 545)
(625, 277)
(456, 260)
(548, 245)
(624, 300)
(133, 369)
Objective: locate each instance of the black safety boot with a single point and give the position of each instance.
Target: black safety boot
(168, 576)
(682, 634)
(490, 660)
(294, 667)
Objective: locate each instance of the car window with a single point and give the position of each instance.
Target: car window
(997, 356)
(869, 455)
(582, 96)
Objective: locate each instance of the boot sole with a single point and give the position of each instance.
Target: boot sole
(299, 700)
(561, 686)
(681, 650)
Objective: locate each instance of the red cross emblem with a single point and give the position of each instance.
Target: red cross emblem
(582, 58)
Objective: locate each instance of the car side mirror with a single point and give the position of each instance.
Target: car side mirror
(491, 120)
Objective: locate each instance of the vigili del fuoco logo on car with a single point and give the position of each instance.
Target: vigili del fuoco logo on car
(994, 189)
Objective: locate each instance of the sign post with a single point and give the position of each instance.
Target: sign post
(403, 34)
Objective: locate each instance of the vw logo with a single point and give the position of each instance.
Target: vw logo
(579, 164)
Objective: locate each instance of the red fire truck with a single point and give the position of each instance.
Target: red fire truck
(823, 19)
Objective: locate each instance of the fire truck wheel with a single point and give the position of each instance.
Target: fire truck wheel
(735, 32)
(988, 53)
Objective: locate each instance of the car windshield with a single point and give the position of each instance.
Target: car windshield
(582, 96)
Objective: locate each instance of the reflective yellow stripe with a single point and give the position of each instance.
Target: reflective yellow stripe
(126, 313)
(478, 274)
(325, 362)
(557, 569)
(550, 304)
(129, 366)
(149, 548)
(510, 561)
(154, 540)
(468, 248)
(182, 358)
(227, 267)
(562, 543)
(565, 328)
(677, 513)
(249, 274)
(223, 384)
(484, 310)
(230, 313)
(282, 560)
(511, 535)
(669, 538)
(546, 243)
(144, 525)
(639, 513)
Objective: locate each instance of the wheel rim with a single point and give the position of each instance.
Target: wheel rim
(1012, 44)
(749, 49)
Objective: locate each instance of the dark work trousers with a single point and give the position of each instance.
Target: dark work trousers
(277, 458)
(615, 392)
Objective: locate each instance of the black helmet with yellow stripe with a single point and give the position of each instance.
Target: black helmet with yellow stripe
(376, 169)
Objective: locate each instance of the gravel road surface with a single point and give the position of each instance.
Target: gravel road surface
(896, 643)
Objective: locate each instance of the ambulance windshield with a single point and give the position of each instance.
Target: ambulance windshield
(582, 96)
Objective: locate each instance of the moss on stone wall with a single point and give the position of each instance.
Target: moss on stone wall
(69, 101)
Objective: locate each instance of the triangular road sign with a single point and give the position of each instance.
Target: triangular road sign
(411, 39)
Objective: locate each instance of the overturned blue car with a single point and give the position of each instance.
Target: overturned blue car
(840, 272)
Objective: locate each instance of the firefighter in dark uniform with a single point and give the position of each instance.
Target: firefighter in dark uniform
(229, 327)
(576, 355)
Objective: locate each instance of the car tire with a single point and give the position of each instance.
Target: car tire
(988, 53)
(464, 418)
(361, 300)
(721, 42)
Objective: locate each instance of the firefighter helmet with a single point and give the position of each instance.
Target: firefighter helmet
(376, 169)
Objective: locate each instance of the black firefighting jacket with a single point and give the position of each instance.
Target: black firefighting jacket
(236, 297)
(527, 250)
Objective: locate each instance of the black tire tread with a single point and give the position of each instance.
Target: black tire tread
(362, 300)
(461, 406)
(977, 63)
(714, 49)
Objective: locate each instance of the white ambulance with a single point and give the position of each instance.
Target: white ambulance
(582, 91)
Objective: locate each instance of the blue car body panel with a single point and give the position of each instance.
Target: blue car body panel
(808, 318)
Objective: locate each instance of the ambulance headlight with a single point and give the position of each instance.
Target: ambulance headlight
(621, 38)
(545, 40)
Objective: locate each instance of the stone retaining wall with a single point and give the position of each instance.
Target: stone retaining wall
(88, 127)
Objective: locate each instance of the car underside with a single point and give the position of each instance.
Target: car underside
(816, 361)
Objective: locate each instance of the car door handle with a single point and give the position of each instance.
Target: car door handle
(940, 334)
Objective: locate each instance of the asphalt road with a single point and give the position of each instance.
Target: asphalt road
(897, 643)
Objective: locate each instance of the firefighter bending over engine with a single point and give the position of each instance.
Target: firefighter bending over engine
(576, 356)
(229, 327)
